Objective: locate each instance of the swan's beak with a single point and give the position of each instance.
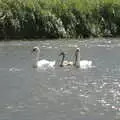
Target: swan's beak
(78, 50)
(60, 54)
(33, 52)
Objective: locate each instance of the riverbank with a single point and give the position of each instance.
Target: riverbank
(59, 19)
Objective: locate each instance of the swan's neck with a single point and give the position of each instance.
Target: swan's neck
(37, 56)
(77, 59)
(63, 57)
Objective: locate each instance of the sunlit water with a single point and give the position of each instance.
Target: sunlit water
(61, 93)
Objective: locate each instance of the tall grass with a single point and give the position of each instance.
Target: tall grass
(59, 18)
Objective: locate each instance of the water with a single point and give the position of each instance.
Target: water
(61, 93)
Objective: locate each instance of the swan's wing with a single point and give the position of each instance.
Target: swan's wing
(85, 64)
(52, 63)
(44, 61)
(67, 63)
(44, 64)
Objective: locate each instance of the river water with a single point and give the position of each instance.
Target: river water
(61, 93)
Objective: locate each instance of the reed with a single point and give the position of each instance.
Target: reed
(59, 18)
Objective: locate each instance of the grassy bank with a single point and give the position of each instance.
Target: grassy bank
(59, 18)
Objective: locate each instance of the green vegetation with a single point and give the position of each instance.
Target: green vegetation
(59, 18)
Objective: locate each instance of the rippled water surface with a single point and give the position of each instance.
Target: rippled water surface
(61, 93)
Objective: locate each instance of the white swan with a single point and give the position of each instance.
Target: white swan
(42, 64)
(83, 64)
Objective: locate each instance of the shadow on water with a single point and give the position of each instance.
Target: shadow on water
(61, 93)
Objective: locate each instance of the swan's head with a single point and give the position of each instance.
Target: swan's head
(77, 50)
(62, 53)
(35, 50)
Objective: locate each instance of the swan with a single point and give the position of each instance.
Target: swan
(63, 61)
(83, 64)
(43, 64)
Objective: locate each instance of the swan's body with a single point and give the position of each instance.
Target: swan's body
(67, 63)
(83, 64)
(42, 64)
(45, 64)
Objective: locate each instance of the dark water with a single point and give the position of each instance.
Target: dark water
(62, 93)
